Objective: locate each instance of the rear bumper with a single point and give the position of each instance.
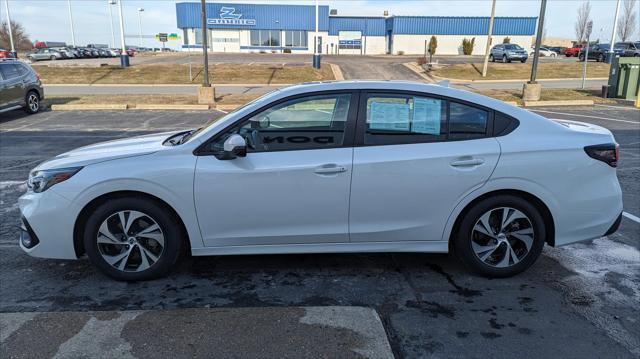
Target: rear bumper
(614, 227)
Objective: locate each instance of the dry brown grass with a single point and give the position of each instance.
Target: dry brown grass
(179, 74)
(514, 71)
(548, 94)
(131, 100)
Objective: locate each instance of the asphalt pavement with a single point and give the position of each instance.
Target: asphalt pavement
(578, 301)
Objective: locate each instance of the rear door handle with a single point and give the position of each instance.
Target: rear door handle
(468, 163)
(330, 169)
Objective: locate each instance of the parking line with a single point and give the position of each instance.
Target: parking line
(576, 115)
(617, 107)
(631, 217)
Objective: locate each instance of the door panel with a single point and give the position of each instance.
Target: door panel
(12, 86)
(274, 197)
(407, 192)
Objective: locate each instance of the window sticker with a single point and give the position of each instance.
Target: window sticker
(389, 116)
(426, 116)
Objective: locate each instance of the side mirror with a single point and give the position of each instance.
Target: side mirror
(234, 146)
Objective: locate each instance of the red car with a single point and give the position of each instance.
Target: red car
(574, 50)
(5, 54)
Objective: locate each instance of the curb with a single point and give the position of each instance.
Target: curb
(88, 107)
(165, 85)
(558, 103)
(463, 81)
(170, 107)
(337, 72)
(417, 70)
(143, 107)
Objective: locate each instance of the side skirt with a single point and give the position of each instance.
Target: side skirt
(422, 246)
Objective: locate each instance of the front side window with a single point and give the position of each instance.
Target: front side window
(398, 119)
(300, 124)
(467, 122)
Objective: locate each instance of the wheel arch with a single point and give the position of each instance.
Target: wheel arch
(81, 219)
(535, 200)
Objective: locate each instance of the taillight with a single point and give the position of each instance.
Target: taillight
(608, 153)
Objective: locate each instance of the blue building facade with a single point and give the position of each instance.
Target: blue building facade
(292, 28)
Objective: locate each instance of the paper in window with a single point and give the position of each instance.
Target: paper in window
(426, 116)
(389, 116)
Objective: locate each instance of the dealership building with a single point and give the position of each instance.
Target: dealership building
(276, 28)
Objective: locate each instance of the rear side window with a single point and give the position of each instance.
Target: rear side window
(398, 119)
(22, 69)
(467, 122)
(9, 71)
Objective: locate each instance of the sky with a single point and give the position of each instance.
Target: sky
(49, 19)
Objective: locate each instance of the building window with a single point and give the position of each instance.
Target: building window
(185, 36)
(198, 36)
(265, 38)
(295, 38)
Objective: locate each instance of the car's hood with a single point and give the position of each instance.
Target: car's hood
(106, 151)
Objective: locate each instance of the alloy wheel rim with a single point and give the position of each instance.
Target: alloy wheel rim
(33, 103)
(502, 237)
(130, 241)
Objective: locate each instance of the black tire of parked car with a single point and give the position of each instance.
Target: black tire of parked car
(505, 59)
(171, 229)
(491, 58)
(523, 60)
(52, 58)
(462, 243)
(581, 57)
(30, 99)
(600, 58)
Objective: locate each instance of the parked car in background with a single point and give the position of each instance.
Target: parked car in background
(543, 52)
(630, 49)
(557, 49)
(66, 52)
(45, 54)
(5, 54)
(508, 53)
(598, 52)
(470, 174)
(574, 50)
(20, 86)
(113, 52)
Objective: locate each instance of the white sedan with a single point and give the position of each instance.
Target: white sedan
(353, 166)
(543, 52)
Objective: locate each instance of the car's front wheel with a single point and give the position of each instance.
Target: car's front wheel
(500, 236)
(505, 58)
(133, 239)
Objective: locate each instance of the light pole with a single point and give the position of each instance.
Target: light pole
(613, 33)
(531, 90)
(140, 10)
(316, 44)
(124, 57)
(13, 49)
(73, 35)
(489, 36)
(113, 36)
(205, 43)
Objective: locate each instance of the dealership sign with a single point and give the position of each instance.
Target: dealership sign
(228, 16)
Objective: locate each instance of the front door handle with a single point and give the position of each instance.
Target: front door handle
(468, 163)
(330, 169)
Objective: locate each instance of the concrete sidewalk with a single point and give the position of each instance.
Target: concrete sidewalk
(270, 332)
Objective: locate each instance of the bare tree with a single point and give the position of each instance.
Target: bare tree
(20, 38)
(582, 18)
(627, 22)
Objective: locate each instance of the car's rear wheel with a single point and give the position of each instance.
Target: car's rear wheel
(581, 57)
(500, 236)
(523, 60)
(32, 101)
(491, 58)
(133, 239)
(52, 58)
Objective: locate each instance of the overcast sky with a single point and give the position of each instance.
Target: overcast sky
(49, 19)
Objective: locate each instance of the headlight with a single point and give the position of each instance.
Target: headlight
(40, 181)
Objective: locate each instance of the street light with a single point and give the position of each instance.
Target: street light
(13, 49)
(613, 34)
(124, 57)
(113, 36)
(73, 36)
(140, 10)
(316, 45)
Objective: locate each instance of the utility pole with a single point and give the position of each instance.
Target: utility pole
(73, 36)
(124, 57)
(316, 44)
(140, 10)
(613, 33)
(113, 36)
(531, 90)
(203, 15)
(490, 34)
(586, 52)
(13, 49)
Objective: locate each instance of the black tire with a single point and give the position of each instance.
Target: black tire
(581, 57)
(170, 227)
(506, 59)
(600, 58)
(462, 242)
(523, 60)
(491, 58)
(32, 101)
(52, 58)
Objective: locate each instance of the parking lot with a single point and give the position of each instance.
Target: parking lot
(576, 301)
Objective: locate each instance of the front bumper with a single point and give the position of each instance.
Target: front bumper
(47, 225)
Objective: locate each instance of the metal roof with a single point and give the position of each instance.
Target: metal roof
(240, 16)
(368, 25)
(454, 25)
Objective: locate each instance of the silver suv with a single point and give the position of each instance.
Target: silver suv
(20, 87)
(508, 52)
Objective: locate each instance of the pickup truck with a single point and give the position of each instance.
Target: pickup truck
(574, 50)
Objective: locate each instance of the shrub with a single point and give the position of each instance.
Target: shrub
(506, 40)
(287, 50)
(467, 45)
(400, 52)
(433, 45)
(263, 52)
(422, 60)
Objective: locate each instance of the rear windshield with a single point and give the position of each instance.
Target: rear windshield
(513, 47)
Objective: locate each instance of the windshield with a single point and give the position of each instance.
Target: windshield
(513, 47)
(190, 135)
